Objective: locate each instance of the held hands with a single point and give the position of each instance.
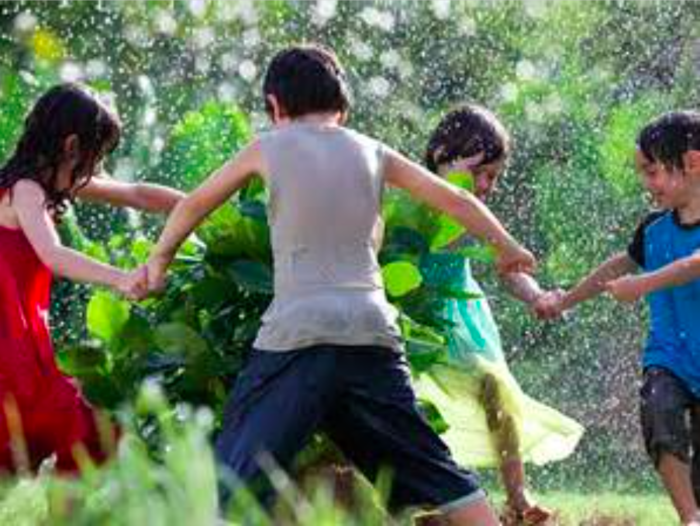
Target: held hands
(143, 281)
(133, 285)
(157, 269)
(549, 305)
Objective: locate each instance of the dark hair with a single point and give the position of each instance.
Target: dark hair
(464, 132)
(306, 79)
(668, 137)
(64, 110)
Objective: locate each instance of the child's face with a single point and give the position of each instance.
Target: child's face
(668, 186)
(67, 180)
(485, 175)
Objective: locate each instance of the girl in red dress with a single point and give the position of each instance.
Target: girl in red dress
(65, 137)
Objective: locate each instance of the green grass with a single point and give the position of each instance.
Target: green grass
(175, 485)
(607, 508)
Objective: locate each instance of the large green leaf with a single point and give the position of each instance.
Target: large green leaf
(107, 315)
(401, 277)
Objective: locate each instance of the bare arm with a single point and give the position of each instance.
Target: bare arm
(142, 196)
(680, 272)
(29, 203)
(463, 206)
(595, 283)
(195, 207)
(522, 287)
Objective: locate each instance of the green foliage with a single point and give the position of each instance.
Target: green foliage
(400, 278)
(201, 142)
(573, 81)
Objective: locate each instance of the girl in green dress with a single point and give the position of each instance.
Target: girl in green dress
(491, 421)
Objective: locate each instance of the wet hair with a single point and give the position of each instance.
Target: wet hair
(668, 137)
(465, 132)
(306, 79)
(64, 110)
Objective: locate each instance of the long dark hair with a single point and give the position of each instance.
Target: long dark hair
(64, 110)
(466, 131)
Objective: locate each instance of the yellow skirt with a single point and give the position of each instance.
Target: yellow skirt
(544, 434)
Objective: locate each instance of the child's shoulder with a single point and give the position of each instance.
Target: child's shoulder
(28, 188)
(653, 218)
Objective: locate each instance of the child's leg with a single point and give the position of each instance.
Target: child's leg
(377, 424)
(506, 442)
(675, 475)
(664, 406)
(277, 402)
(695, 440)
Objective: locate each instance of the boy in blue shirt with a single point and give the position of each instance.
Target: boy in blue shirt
(666, 247)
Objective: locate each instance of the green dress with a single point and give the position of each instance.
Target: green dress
(475, 350)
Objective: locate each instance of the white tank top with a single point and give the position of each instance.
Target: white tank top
(326, 186)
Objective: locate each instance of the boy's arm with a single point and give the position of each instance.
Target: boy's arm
(142, 196)
(192, 210)
(595, 283)
(680, 272)
(463, 206)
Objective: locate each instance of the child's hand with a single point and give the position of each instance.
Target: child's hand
(134, 285)
(627, 288)
(549, 305)
(515, 259)
(157, 269)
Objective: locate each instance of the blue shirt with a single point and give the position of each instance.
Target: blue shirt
(674, 333)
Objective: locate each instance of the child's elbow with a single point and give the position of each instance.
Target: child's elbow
(52, 258)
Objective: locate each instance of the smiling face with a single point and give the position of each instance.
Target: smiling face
(668, 186)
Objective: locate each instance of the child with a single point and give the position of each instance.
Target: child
(329, 352)
(666, 246)
(492, 422)
(65, 137)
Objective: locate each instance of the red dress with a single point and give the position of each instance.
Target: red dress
(42, 411)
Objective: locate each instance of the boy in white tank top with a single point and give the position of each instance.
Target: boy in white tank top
(329, 353)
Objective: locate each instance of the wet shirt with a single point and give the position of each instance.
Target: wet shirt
(674, 334)
(326, 185)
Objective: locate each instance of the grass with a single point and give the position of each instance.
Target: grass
(608, 508)
(179, 489)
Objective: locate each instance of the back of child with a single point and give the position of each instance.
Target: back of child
(327, 355)
(325, 198)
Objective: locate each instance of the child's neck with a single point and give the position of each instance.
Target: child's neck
(321, 119)
(689, 213)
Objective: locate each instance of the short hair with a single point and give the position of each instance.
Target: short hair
(466, 131)
(306, 79)
(668, 137)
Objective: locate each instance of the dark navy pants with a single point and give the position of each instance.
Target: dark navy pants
(362, 398)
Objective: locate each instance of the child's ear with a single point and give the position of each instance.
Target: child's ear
(275, 109)
(71, 147)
